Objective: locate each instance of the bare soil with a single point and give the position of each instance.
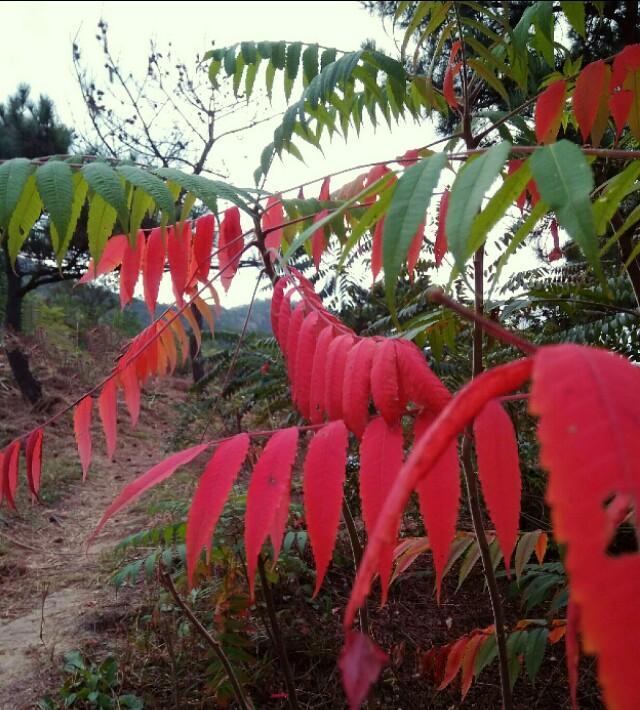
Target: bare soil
(53, 595)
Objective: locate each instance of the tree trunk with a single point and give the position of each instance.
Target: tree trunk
(29, 386)
(197, 364)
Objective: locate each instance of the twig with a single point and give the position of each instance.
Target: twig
(215, 645)
(437, 295)
(281, 649)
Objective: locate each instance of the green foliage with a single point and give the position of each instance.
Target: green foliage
(406, 213)
(91, 685)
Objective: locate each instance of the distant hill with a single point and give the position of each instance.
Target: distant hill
(231, 319)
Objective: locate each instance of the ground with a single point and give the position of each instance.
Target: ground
(53, 590)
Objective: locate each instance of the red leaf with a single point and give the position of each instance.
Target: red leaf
(269, 482)
(587, 401)
(620, 104)
(284, 317)
(82, 429)
(414, 251)
(573, 650)
(448, 91)
(272, 221)
(152, 268)
(376, 249)
(152, 477)
(276, 303)
(548, 113)
(323, 482)
(451, 421)
(499, 473)
(334, 374)
(318, 240)
(589, 92)
(131, 262)
(439, 496)
(10, 466)
(307, 342)
(34, 461)
(210, 496)
(441, 235)
(385, 385)
(131, 388)
(178, 248)
(111, 258)
(317, 405)
(108, 408)
(417, 381)
(624, 63)
(203, 246)
(230, 246)
(360, 662)
(512, 167)
(357, 385)
(291, 345)
(381, 451)
(468, 661)
(410, 157)
(325, 190)
(454, 661)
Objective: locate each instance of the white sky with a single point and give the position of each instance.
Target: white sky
(37, 42)
(37, 49)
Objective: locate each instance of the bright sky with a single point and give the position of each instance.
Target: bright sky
(37, 44)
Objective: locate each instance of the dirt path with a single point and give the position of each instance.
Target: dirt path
(53, 596)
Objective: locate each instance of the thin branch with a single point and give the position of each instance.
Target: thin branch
(437, 295)
(214, 644)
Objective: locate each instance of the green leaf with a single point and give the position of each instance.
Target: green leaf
(61, 242)
(406, 213)
(471, 557)
(486, 654)
(292, 65)
(279, 54)
(309, 231)
(524, 550)
(516, 643)
(142, 202)
(13, 179)
(421, 11)
(495, 209)
(249, 53)
(252, 71)
(367, 220)
(55, 185)
(492, 80)
(614, 192)
(575, 14)
(24, 216)
(102, 217)
(237, 76)
(467, 193)
(310, 63)
(153, 186)
(565, 182)
(104, 181)
(536, 214)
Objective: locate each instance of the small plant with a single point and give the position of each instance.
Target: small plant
(88, 684)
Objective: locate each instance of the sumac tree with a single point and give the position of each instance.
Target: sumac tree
(569, 167)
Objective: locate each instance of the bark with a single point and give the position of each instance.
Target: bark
(29, 386)
(197, 363)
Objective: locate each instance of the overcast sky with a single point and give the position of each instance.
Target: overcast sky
(37, 49)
